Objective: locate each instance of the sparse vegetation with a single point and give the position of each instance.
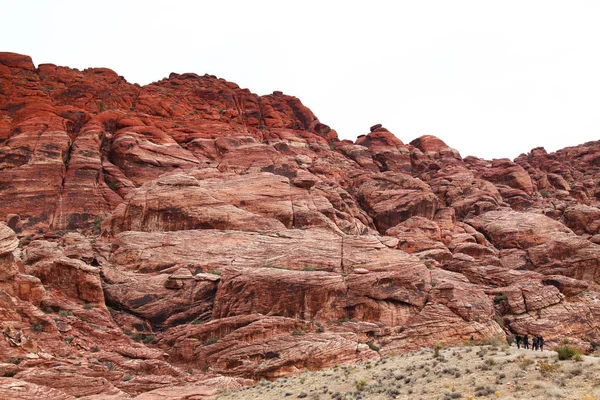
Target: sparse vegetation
(546, 368)
(127, 378)
(37, 327)
(566, 352)
(143, 337)
(436, 350)
(499, 298)
(211, 340)
(96, 226)
(298, 332)
(361, 385)
(523, 362)
(373, 346)
(509, 374)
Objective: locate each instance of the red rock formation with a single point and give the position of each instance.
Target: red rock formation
(190, 225)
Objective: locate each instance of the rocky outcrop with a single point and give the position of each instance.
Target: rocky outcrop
(173, 239)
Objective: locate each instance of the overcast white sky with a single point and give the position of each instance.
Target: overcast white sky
(491, 78)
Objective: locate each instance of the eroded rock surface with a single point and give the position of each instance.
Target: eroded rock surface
(187, 236)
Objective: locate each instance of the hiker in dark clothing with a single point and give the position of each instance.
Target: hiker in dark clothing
(526, 342)
(518, 339)
(541, 342)
(534, 343)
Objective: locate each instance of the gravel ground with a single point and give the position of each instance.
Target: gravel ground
(470, 372)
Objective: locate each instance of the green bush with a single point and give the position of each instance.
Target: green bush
(373, 346)
(361, 385)
(96, 227)
(143, 337)
(210, 341)
(499, 297)
(436, 349)
(566, 352)
(127, 378)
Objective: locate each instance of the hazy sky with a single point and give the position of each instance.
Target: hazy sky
(491, 78)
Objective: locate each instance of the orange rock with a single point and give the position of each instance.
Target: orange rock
(190, 223)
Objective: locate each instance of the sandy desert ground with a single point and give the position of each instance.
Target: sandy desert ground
(469, 372)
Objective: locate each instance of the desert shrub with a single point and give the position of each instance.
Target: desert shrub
(453, 395)
(373, 346)
(87, 306)
(500, 321)
(496, 340)
(112, 185)
(523, 362)
(37, 327)
(143, 337)
(69, 339)
(298, 332)
(499, 298)
(96, 226)
(320, 327)
(95, 349)
(361, 385)
(436, 349)
(65, 313)
(211, 340)
(566, 352)
(127, 378)
(484, 391)
(546, 368)
(576, 371)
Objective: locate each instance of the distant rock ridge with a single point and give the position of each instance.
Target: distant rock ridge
(191, 234)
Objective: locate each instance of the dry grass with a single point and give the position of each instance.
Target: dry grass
(478, 372)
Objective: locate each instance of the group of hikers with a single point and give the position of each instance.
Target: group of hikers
(537, 343)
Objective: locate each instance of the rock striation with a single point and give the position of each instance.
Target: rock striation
(189, 236)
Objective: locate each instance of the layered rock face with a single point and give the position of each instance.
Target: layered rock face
(189, 235)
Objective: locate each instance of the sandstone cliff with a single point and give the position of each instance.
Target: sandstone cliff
(192, 234)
